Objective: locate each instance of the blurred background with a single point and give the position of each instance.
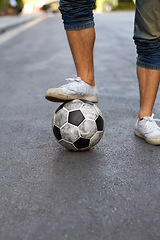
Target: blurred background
(15, 7)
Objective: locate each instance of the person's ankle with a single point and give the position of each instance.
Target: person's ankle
(87, 78)
(89, 81)
(143, 114)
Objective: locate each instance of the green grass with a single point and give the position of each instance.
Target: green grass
(125, 6)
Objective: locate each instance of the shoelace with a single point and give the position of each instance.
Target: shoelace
(85, 88)
(72, 80)
(151, 119)
(78, 79)
(151, 123)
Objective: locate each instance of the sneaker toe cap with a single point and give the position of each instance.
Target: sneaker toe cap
(53, 91)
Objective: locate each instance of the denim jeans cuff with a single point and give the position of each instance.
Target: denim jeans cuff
(147, 66)
(79, 27)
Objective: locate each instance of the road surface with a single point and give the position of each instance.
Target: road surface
(48, 193)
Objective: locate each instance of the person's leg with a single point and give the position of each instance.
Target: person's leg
(147, 40)
(79, 25)
(148, 86)
(81, 43)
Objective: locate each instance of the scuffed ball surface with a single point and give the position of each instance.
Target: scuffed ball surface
(78, 125)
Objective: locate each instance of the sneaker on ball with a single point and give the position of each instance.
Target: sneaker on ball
(148, 129)
(75, 89)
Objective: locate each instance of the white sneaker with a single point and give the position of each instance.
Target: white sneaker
(76, 89)
(148, 129)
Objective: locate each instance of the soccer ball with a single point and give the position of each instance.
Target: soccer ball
(78, 125)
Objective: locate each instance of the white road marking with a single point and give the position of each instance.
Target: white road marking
(12, 33)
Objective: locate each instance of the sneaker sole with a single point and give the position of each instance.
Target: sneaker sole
(150, 141)
(60, 97)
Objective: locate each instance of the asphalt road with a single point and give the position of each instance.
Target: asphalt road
(48, 193)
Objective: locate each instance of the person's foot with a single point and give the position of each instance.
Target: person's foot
(76, 89)
(148, 129)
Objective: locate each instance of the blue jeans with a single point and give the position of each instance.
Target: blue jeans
(147, 33)
(78, 14)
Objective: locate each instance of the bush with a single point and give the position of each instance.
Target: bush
(125, 6)
(20, 3)
(5, 3)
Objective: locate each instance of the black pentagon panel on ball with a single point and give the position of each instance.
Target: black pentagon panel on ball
(57, 133)
(82, 143)
(100, 123)
(75, 117)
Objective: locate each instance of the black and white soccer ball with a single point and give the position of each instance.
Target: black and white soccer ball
(78, 125)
